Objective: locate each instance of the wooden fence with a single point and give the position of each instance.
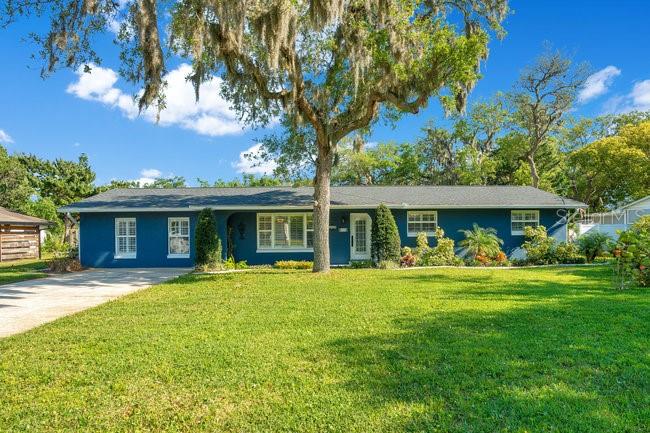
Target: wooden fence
(19, 242)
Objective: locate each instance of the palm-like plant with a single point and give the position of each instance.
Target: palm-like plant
(481, 241)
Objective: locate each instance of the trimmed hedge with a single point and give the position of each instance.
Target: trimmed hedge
(208, 244)
(385, 237)
(293, 264)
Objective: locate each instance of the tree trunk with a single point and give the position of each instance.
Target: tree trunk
(534, 176)
(322, 210)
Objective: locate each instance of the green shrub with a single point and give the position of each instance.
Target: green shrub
(293, 264)
(58, 248)
(443, 254)
(632, 257)
(568, 253)
(539, 246)
(481, 243)
(421, 244)
(385, 237)
(231, 264)
(541, 249)
(594, 244)
(642, 224)
(208, 244)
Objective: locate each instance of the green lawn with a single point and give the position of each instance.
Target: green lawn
(19, 270)
(449, 350)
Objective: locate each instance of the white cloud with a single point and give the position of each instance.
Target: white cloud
(598, 83)
(638, 99)
(641, 95)
(248, 165)
(148, 176)
(5, 138)
(211, 115)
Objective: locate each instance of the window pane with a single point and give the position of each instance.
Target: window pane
(131, 230)
(296, 231)
(281, 228)
(179, 245)
(131, 244)
(121, 228)
(265, 239)
(185, 227)
(310, 239)
(264, 222)
(121, 245)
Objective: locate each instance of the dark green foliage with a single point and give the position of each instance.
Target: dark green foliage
(60, 180)
(632, 256)
(385, 237)
(208, 244)
(481, 242)
(15, 188)
(541, 249)
(594, 244)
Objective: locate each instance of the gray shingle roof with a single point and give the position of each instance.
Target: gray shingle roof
(342, 196)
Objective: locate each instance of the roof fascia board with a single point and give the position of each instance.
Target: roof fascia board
(269, 207)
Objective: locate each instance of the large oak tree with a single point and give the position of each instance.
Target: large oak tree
(331, 66)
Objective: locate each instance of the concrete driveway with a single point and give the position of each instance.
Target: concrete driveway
(27, 304)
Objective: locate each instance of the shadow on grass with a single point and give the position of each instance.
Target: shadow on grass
(572, 364)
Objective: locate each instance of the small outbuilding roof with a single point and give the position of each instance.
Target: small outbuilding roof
(9, 217)
(450, 197)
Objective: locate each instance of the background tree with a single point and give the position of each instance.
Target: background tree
(167, 182)
(60, 180)
(540, 101)
(612, 170)
(15, 188)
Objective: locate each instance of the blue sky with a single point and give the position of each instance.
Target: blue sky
(66, 114)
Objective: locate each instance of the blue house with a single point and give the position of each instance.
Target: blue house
(155, 227)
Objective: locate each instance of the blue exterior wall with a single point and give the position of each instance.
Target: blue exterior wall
(97, 240)
(453, 220)
(97, 235)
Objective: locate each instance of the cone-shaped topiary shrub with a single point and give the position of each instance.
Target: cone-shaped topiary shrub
(208, 244)
(385, 237)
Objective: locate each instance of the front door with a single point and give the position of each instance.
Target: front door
(360, 236)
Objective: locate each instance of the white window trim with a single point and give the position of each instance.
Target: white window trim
(411, 234)
(118, 255)
(189, 237)
(521, 211)
(273, 248)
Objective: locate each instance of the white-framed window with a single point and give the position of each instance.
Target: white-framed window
(178, 233)
(285, 231)
(125, 238)
(422, 221)
(521, 219)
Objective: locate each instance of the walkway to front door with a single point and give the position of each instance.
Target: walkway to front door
(360, 226)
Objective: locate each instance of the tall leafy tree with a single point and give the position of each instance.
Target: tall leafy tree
(15, 188)
(331, 66)
(540, 102)
(60, 180)
(612, 170)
